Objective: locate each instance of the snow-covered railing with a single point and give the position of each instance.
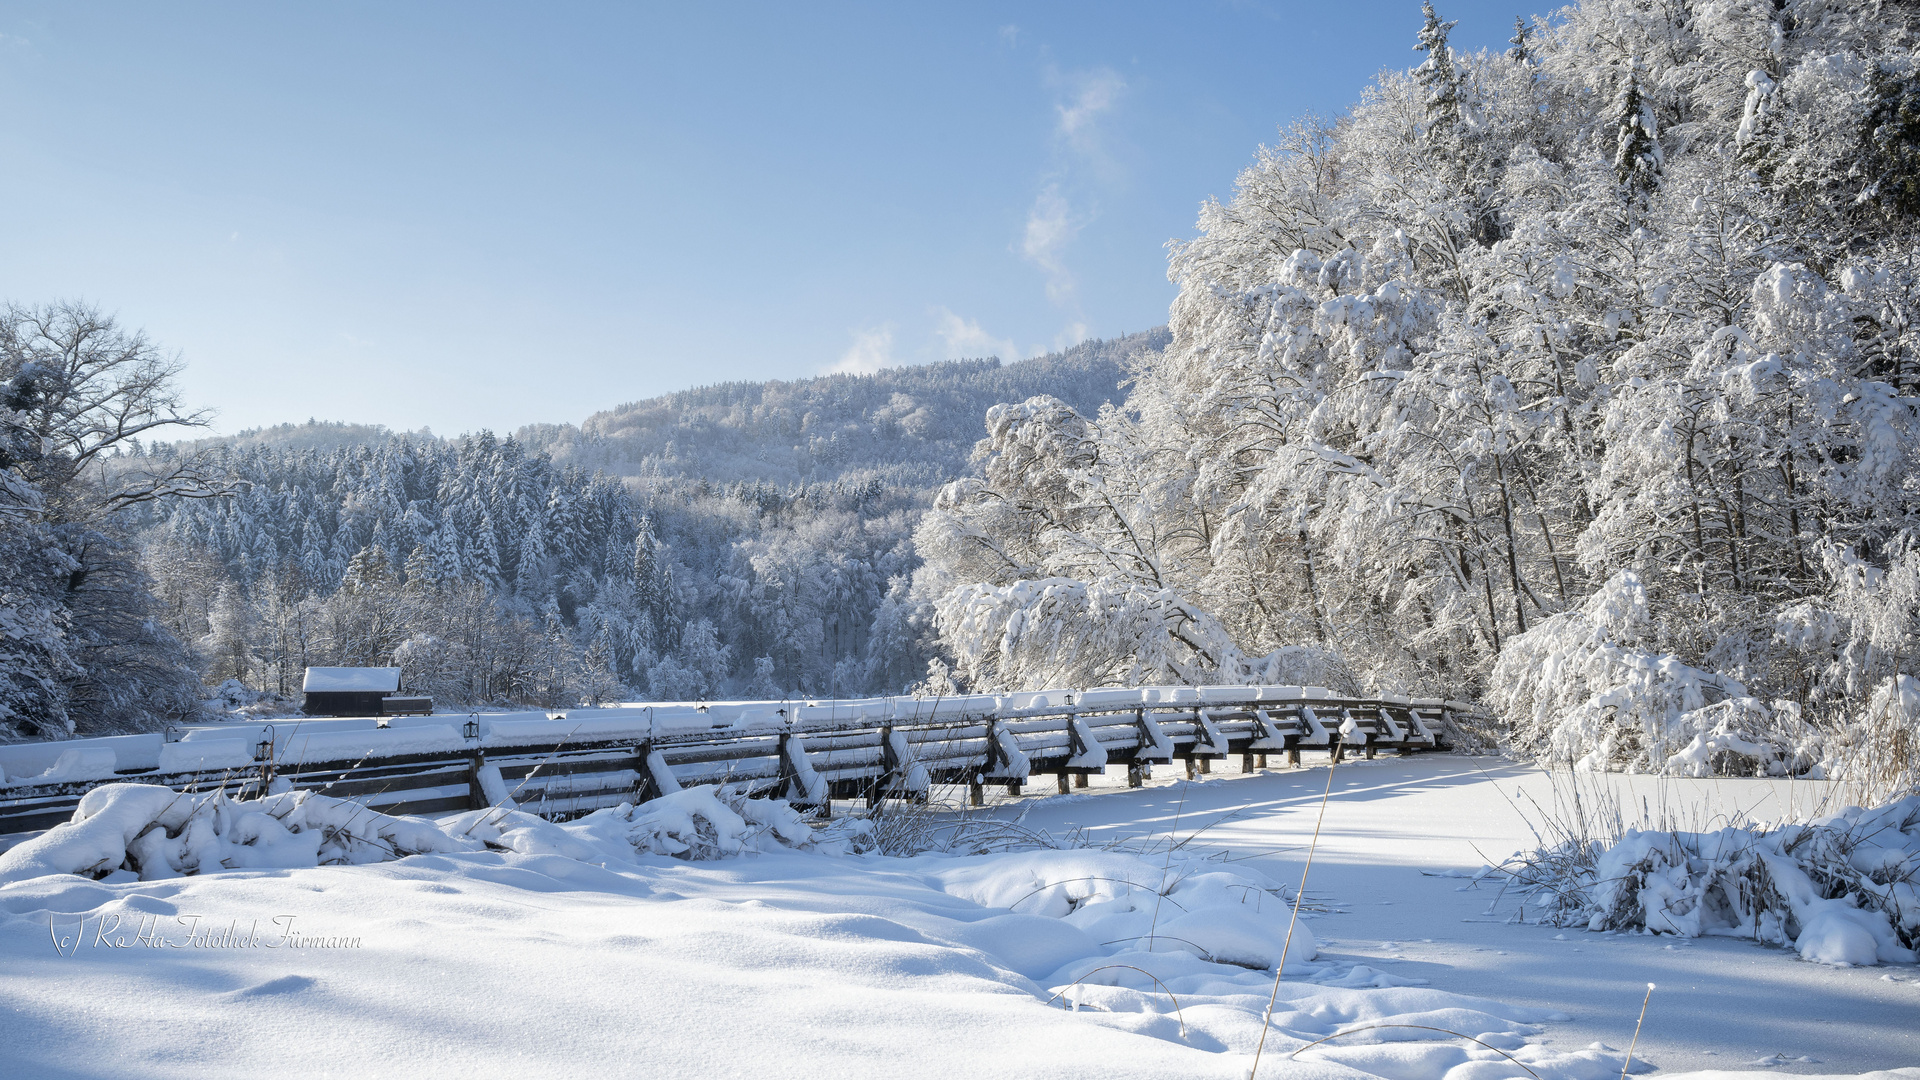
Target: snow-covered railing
(563, 764)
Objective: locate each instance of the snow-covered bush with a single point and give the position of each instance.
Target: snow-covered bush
(1858, 645)
(156, 832)
(1844, 888)
(1883, 754)
(1585, 687)
(701, 822)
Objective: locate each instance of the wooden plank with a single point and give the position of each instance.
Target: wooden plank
(36, 820)
(689, 755)
(355, 788)
(446, 804)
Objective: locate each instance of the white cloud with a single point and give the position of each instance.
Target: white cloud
(1056, 216)
(1010, 35)
(965, 338)
(1094, 94)
(1050, 227)
(872, 350)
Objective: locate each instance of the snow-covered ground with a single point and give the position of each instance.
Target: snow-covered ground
(807, 964)
(1393, 823)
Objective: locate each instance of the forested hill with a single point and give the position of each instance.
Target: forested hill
(321, 435)
(741, 538)
(910, 426)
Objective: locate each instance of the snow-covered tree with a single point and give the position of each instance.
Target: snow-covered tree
(81, 648)
(1626, 312)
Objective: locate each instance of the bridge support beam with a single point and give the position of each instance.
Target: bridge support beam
(476, 788)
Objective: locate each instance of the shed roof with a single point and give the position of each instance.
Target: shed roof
(364, 680)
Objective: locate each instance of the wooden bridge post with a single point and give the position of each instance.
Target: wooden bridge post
(644, 788)
(1080, 780)
(977, 792)
(891, 770)
(264, 753)
(1246, 761)
(997, 757)
(1136, 774)
(476, 793)
(656, 776)
(791, 788)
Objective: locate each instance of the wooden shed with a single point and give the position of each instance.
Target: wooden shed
(349, 691)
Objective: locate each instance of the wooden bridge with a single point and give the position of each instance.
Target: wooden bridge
(561, 765)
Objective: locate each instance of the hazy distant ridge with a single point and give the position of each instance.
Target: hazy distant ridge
(911, 425)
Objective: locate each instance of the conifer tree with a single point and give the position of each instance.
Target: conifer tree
(1637, 157)
(1438, 77)
(1518, 53)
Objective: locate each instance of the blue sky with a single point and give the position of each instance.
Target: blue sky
(465, 215)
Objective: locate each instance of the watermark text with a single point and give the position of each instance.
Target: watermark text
(131, 930)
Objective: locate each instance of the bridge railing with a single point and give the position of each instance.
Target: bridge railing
(564, 764)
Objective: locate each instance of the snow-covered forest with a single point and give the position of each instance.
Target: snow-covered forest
(748, 539)
(1580, 378)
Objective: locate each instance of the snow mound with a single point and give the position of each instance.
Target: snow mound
(1120, 899)
(1839, 934)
